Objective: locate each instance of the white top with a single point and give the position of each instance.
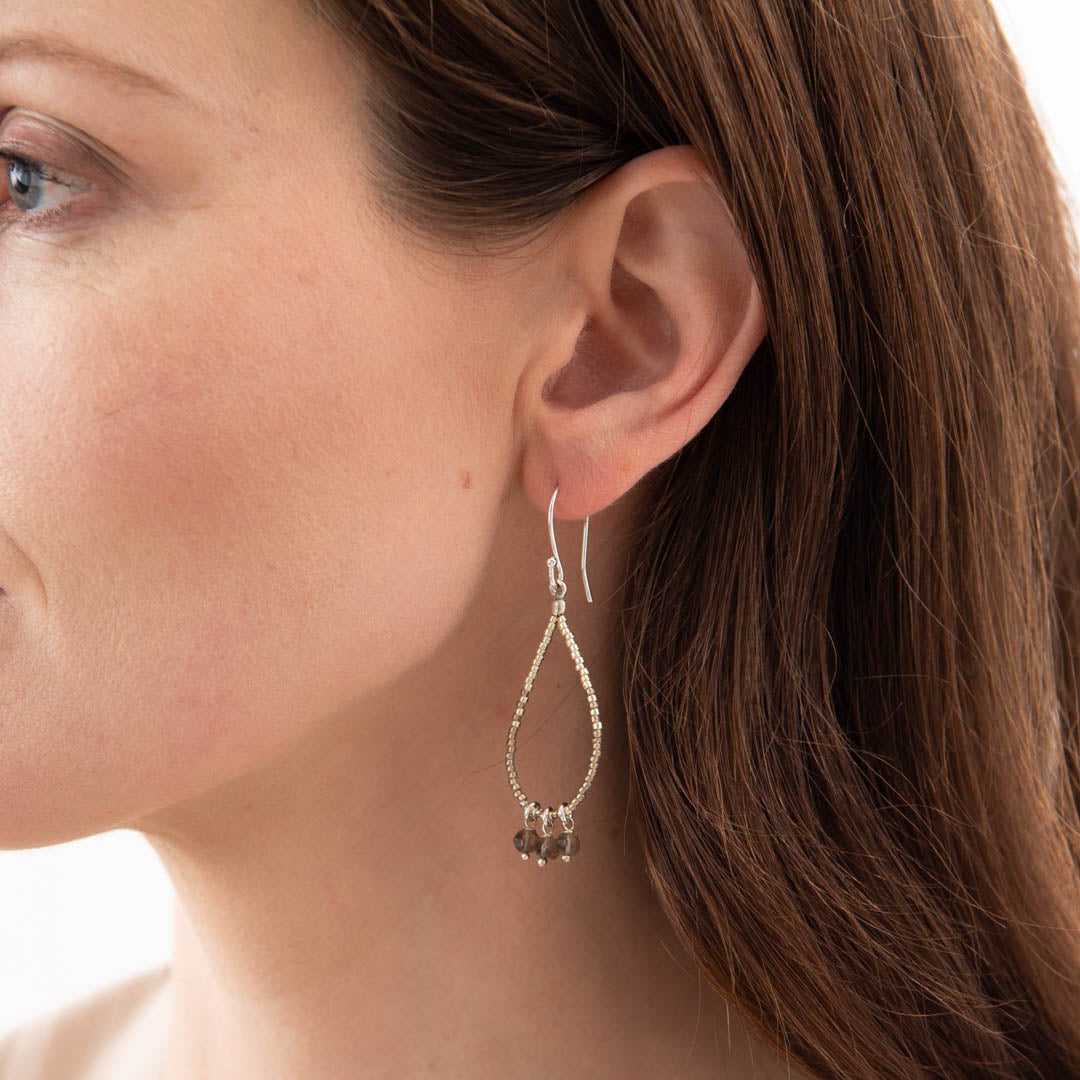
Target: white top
(116, 1033)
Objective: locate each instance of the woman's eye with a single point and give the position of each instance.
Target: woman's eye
(31, 186)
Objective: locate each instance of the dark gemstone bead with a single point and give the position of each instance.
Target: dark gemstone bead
(549, 848)
(569, 843)
(526, 840)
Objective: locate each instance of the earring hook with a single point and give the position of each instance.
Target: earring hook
(555, 549)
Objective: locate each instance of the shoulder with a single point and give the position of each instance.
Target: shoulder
(112, 1034)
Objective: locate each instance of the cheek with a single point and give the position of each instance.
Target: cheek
(225, 485)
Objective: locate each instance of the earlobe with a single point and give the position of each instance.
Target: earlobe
(665, 315)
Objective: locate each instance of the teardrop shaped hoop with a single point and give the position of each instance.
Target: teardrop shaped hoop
(557, 585)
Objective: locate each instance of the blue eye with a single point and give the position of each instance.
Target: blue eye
(29, 181)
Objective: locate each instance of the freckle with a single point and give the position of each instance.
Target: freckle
(468, 480)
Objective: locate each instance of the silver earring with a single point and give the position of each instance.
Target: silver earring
(528, 840)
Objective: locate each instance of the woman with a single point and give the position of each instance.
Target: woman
(327, 324)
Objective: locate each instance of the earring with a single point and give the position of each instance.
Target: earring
(528, 840)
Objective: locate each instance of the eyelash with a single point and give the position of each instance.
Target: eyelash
(32, 218)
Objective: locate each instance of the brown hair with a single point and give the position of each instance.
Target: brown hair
(851, 624)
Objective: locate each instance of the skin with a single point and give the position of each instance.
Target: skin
(273, 486)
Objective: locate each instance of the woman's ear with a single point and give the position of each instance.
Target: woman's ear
(659, 315)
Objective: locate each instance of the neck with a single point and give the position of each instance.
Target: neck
(357, 906)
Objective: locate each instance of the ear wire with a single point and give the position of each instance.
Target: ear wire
(555, 549)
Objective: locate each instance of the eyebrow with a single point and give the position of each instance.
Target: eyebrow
(37, 46)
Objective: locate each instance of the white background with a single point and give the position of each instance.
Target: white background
(77, 916)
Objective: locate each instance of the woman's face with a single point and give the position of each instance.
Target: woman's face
(253, 441)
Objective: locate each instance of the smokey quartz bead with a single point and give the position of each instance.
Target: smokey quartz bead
(568, 844)
(526, 841)
(549, 849)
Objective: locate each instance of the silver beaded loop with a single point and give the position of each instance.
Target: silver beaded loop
(557, 586)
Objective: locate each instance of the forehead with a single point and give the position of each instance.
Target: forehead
(220, 57)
